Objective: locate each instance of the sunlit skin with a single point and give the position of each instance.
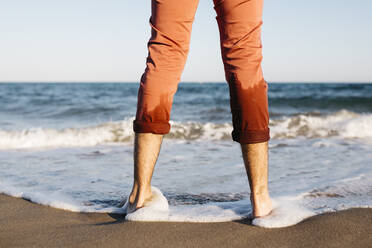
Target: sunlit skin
(146, 151)
(255, 158)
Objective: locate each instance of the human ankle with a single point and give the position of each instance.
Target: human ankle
(261, 205)
(146, 193)
(140, 195)
(259, 199)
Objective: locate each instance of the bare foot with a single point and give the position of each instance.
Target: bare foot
(262, 206)
(136, 200)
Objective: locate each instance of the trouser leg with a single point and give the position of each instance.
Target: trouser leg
(239, 24)
(171, 23)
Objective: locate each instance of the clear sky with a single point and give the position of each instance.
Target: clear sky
(105, 40)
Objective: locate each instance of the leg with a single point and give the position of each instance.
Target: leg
(256, 164)
(146, 152)
(171, 23)
(239, 24)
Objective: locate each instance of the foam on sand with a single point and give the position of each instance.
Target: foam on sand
(158, 210)
(152, 210)
(287, 211)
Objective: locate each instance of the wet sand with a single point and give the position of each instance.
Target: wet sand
(25, 224)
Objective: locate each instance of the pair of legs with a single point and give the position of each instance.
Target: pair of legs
(239, 23)
(146, 151)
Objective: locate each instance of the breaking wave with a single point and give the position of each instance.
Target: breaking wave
(343, 124)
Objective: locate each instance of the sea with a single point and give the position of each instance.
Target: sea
(70, 146)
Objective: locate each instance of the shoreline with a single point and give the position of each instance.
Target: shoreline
(27, 224)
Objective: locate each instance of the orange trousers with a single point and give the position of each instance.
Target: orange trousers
(239, 23)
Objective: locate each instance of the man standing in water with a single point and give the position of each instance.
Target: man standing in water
(239, 24)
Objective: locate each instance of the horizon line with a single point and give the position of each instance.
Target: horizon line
(200, 82)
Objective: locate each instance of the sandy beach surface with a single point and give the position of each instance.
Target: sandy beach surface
(26, 224)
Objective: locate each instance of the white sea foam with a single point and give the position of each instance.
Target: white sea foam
(55, 200)
(341, 194)
(158, 210)
(153, 210)
(287, 211)
(343, 124)
(110, 132)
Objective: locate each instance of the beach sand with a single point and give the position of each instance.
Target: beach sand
(25, 224)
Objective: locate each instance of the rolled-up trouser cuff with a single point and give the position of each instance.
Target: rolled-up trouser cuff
(151, 127)
(251, 136)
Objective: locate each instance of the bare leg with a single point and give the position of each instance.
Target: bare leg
(146, 152)
(256, 164)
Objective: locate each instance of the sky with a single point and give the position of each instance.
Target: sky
(105, 40)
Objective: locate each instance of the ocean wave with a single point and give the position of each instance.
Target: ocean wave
(343, 124)
(110, 132)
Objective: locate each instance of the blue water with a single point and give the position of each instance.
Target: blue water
(63, 105)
